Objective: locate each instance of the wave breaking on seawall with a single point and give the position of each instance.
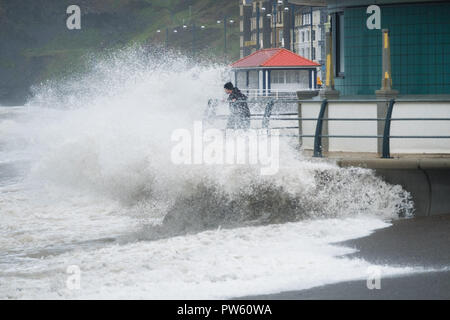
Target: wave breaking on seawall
(92, 154)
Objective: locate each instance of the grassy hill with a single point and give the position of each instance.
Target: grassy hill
(35, 44)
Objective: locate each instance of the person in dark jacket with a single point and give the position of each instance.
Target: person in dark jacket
(239, 112)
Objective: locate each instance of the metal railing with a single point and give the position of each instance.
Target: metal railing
(274, 93)
(265, 118)
(386, 153)
(269, 116)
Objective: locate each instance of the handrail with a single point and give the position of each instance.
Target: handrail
(267, 114)
(343, 100)
(387, 131)
(318, 137)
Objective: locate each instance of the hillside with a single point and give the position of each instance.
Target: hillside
(35, 44)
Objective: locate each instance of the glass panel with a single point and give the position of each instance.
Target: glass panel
(341, 44)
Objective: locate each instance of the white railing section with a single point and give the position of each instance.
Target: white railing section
(274, 93)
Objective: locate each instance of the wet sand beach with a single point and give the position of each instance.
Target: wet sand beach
(418, 242)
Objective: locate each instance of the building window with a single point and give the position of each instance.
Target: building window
(313, 53)
(277, 76)
(307, 35)
(285, 76)
(279, 17)
(306, 19)
(241, 79)
(292, 76)
(303, 36)
(339, 40)
(313, 35)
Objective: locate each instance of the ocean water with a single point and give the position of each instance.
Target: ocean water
(86, 180)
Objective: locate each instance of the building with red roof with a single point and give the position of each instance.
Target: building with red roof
(277, 69)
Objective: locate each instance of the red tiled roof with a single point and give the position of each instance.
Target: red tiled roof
(278, 57)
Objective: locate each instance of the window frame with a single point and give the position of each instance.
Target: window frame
(306, 19)
(338, 37)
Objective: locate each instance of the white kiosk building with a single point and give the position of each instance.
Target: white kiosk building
(275, 72)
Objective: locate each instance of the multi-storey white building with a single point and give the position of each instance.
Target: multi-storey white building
(266, 24)
(310, 34)
(290, 24)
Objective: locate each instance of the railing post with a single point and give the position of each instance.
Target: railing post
(300, 124)
(386, 90)
(268, 114)
(318, 135)
(329, 91)
(387, 131)
(210, 112)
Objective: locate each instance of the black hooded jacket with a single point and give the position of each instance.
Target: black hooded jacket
(238, 104)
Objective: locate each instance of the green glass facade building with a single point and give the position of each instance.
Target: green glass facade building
(419, 41)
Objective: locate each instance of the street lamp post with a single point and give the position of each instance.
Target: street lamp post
(274, 20)
(193, 40)
(311, 32)
(287, 20)
(225, 21)
(167, 38)
(257, 28)
(276, 7)
(225, 35)
(294, 38)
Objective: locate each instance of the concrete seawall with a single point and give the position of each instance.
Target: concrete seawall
(428, 179)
